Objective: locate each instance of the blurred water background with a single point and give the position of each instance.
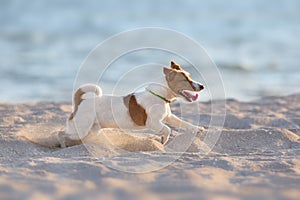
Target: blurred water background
(254, 43)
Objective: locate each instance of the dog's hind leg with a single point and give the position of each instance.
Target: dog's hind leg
(81, 123)
(65, 140)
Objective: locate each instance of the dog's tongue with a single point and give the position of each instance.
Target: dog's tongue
(195, 97)
(191, 96)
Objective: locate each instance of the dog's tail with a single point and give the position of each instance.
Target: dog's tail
(89, 87)
(77, 97)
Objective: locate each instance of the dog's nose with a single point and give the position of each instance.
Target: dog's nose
(196, 86)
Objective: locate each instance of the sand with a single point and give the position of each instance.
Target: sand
(257, 155)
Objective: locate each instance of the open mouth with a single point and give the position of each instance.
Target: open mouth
(188, 95)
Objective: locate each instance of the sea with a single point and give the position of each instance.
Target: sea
(253, 46)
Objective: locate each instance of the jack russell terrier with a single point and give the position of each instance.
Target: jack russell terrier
(139, 110)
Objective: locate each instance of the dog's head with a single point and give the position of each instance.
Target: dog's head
(180, 82)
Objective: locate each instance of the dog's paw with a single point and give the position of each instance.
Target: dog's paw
(162, 140)
(200, 129)
(165, 138)
(61, 139)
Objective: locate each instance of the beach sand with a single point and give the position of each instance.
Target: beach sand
(257, 155)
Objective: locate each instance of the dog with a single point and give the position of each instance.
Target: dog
(139, 110)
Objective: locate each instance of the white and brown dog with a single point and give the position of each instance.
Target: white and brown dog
(148, 109)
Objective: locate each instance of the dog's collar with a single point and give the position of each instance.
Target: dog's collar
(157, 95)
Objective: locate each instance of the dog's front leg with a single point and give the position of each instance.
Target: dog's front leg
(161, 128)
(173, 120)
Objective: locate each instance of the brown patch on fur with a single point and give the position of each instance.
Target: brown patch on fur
(188, 78)
(174, 77)
(136, 111)
(77, 100)
(178, 80)
(174, 65)
(177, 67)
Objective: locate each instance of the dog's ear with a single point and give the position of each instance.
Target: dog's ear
(174, 65)
(170, 73)
(167, 70)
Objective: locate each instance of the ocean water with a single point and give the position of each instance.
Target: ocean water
(255, 44)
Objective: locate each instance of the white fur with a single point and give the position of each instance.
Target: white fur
(110, 112)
